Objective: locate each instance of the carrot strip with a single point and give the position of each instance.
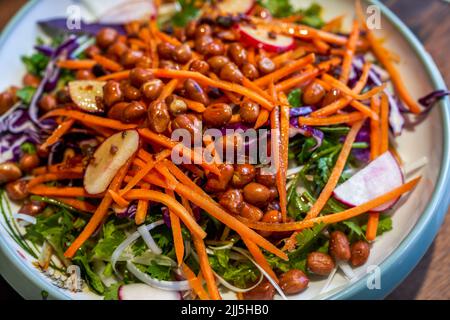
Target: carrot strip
(99, 214)
(284, 154)
(176, 232)
(262, 118)
(172, 204)
(385, 60)
(384, 126)
(206, 268)
(344, 101)
(234, 98)
(142, 208)
(58, 133)
(77, 204)
(194, 282)
(349, 52)
(233, 87)
(105, 132)
(285, 71)
(337, 119)
(284, 57)
(276, 149)
(184, 179)
(334, 25)
(121, 75)
(375, 130)
(64, 175)
(76, 64)
(335, 217)
(166, 38)
(364, 109)
(74, 192)
(259, 258)
(297, 80)
(336, 172)
(194, 105)
(251, 55)
(339, 85)
(89, 119)
(121, 202)
(106, 63)
(55, 168)
(251, 85)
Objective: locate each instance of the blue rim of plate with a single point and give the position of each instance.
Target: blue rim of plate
(394, 268)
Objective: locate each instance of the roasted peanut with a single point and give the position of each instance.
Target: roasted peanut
(115, 112)
(294, 281)
(250, 71)
(256, 194)
(9, 171)
(266, 65)
(320, 263)
(331, 96)
(237, 53)
(158, 116)
(251, 212)
(188, 122)
(195, 92)
(339, 247)
(249, 112)
(182, 53)
(84, 74)
(176, 105)
(134, 112)
(313, 93)
(29, 162)
(232, 200)
(47, 103)
(243, 175)
(220, 183)
(31, 80)
(217, 115)
(130, 57)
(264, 291)
(17, 190)
(106, 37)
(139, 76)
(152, 89)
(230, 72)
(112, 93)
(6, 101)
(360, 251)
(199, 66)
(165, 50)
(32, 208)
(266, 179)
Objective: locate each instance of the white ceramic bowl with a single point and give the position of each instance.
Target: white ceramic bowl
(416, 219)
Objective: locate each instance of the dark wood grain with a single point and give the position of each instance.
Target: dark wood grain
(430, 21)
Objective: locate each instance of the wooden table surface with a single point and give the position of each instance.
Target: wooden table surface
(430, 21)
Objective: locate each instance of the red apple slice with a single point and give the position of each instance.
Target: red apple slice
(236, 6)
(260, 38)
(379, 177)
(85, 93)
(139, 291)
(109, 157)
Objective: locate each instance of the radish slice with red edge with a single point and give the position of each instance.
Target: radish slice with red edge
(260, 38)
(379, 177)
(139, 291)
(236, 6)
(85, 93)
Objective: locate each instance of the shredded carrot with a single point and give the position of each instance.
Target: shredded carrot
(284, 155)
(251, 85)
(118, 199)
(346, 90)
(121, 75)
(263, 116)
(297, 80)
(336, 172)
(337, 119)
(349, 52)
(166, 38)
(322, 46)
(105, 132)
(276, 152)
(285, 71)
(364, 109)
(59, 167)
(106, 63)
(76, 64)
(259, 258)
(385, 60)
(251, 55)
(172, 204)
(335, 217)
(63, 175)
(77, 204)
(195, 282)
(99, 214)
(194, 105)
(334, 25)
(58, 133)
(89, 119)
(176, 231)
(375, 137)
(142, 208)
(74, 192)
(233, 87)
(206, 268)
(384, 125)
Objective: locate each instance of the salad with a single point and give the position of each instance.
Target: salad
(98, 153)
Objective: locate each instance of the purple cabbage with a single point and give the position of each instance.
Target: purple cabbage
(59, 25)
(307, 131)
(300, 111)
(430, 99)
(363, 155)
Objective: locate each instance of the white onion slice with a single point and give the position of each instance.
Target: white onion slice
(25, 217)
(148, 239)
(128, 241)
(237, 289)
(416, 165)
(272, 281)
(160, 284)
(329, 279)
(348, 271)
(224, 247)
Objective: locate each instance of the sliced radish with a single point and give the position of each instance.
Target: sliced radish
(379, 177)
(109, 157)
(139, 291)
(85, 93)
(260, 38)
(236, 6)
(121, 12)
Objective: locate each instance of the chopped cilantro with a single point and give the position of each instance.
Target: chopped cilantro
(26, 94)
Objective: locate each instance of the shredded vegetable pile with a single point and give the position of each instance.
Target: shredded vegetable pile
(92, 158)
